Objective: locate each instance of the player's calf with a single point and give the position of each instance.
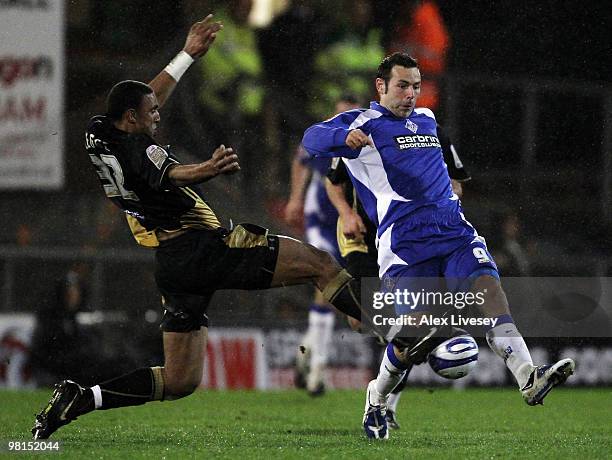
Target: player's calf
(495, 301)
(184, 363)
(534, 382)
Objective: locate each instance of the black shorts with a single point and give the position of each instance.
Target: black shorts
(191, 267)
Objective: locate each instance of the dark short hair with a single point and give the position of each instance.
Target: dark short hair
(124, 96)
(401, 59)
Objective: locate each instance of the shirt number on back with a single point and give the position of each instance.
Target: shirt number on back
(111, 174)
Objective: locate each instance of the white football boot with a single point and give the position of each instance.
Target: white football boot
(374, 422)
(545, 378)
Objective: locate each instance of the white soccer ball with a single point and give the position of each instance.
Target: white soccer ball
(454, 358)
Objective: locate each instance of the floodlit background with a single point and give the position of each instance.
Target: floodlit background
(523, 87)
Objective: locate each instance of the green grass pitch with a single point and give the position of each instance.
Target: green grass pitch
(440, 423)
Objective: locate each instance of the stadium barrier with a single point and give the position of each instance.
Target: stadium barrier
(238, 358)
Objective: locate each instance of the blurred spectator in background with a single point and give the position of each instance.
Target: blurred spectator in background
(288, 46)
(59, 346)
(420, 32)
(509, 253)
(110, 227)
(119, 25)
(232, 90)
(23, 235)
(347, 63)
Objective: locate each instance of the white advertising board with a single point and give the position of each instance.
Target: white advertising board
(31, 94)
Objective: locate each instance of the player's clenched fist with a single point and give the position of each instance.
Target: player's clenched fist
(357, 139)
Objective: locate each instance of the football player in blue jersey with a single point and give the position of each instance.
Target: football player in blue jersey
(309, 201)
(356, 236)
(393, 155)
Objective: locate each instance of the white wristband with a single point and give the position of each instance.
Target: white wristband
(179, 65)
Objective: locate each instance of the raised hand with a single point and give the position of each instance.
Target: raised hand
(200, 36)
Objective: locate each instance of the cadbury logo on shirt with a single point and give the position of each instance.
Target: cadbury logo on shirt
(416, 141)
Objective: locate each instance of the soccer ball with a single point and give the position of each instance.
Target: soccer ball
(454, 358)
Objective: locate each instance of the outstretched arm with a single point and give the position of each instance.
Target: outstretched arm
(334, 138)
(201, 35)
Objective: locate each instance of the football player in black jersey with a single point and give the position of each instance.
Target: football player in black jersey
(356, 234)
(194, 255)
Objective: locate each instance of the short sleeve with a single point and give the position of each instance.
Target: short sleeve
(337, 173)
(456, 169)
(152, 162)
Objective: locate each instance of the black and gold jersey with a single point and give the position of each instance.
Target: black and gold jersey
(132, 169)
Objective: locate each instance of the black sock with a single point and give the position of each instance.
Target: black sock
(132, 389)
(343, 292)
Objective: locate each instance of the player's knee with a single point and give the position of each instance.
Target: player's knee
(325, 265)
(179, 385)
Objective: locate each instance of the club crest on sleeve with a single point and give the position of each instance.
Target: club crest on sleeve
(157, 155)
(411, 126)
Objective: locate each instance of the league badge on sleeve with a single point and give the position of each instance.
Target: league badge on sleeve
(157, 155)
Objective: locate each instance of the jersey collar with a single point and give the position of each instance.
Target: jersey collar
(379, 108)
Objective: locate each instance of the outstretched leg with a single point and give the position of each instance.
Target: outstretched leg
(180, 376)
(300, 263)
(535, 382)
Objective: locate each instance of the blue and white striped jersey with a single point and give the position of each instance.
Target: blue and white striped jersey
(402, 174)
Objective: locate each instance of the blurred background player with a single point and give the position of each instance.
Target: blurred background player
(510, 253)
(356, 234)
(310, 206)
